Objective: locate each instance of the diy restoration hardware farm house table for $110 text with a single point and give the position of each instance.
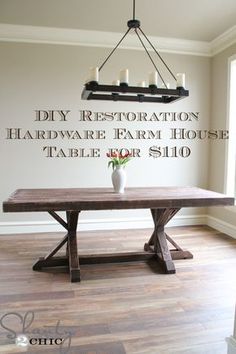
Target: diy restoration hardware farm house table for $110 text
(163, 202)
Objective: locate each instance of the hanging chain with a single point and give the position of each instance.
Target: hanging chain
(145, 48)
(114, 49)
(158, 54)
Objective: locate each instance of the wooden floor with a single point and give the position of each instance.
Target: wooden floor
(120, 308)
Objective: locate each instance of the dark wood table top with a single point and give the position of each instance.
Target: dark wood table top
(29, 200)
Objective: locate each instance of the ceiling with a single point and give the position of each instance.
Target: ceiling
(201, 20)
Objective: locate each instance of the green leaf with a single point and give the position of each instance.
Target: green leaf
(111, 163)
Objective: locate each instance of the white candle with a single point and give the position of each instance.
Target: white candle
(94, 74)
(180, 80)
(142, 84)
(116, 82)
(153, 78)
(124, 76)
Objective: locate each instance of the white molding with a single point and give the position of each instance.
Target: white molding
(223, 41)
(96, 224)
(13, 228)
(221, 226)
(65, 36)
(229, 166)
(79, 37)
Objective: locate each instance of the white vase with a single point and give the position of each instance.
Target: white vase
(119, 179)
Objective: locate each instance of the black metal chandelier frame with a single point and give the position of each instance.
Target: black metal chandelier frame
(123, 92)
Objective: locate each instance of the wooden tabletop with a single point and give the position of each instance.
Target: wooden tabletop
(104, 198)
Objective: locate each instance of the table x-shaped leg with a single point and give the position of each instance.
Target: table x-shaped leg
(158, 241)
(71, 258)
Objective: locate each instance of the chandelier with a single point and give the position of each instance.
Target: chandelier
(157, 90)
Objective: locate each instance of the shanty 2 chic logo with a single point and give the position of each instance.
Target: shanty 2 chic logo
(19, 329)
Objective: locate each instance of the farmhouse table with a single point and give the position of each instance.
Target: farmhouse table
(163, 202)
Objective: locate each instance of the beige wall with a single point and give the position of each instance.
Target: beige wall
(40, 76)
(219, 88)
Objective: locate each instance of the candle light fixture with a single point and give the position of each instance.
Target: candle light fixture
(158, 89)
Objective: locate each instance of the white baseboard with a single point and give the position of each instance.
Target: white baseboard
(221, 226)
(96, 224)
(116, 224)
(231, 345)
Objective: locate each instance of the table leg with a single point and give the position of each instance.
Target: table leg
(71, 258)
(158, 241)
(72, 220)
